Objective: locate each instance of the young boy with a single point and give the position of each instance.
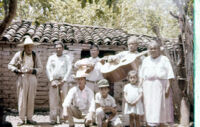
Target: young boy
(106, 112)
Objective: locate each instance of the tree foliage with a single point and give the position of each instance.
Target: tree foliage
(133, 16)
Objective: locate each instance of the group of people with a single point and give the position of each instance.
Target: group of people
(148, 92)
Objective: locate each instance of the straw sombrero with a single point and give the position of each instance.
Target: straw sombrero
(28, 41)
(80, 74)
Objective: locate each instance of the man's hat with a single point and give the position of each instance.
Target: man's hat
(103, 83)
(80, 74)
(28, 41)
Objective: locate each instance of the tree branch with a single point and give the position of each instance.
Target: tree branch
(8, 18)
(173, 15)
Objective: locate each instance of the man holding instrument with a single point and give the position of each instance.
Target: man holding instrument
(58, 68)
(132, 50)
(93, 65)
(117, 66)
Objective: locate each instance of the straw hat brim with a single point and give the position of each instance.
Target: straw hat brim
(35, 44)
(102, 86)
(80, 74)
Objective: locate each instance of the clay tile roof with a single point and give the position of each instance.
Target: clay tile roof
(72, 33)
(67, 33)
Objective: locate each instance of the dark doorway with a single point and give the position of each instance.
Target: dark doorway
(102, 53)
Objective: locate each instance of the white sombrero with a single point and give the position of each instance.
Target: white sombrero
(28, 41)
(80, 74)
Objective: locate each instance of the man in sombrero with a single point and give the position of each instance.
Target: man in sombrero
(26, 65)
(79, 102)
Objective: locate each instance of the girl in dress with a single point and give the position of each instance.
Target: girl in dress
(133, 99)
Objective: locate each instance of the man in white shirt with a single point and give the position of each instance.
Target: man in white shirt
(94, 65)
(26, 64)
(125, 56)
(132, 51)
(79, 102)
(58, 68)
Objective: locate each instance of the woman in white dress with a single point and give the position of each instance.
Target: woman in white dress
(133, 99)
(157, 74)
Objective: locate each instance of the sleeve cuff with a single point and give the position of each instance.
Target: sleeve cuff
(34, 72)
(50, 79)
(64, 80)
(65, 111)
(16, 71)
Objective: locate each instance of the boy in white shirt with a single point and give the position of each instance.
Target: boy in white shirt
(106, 112)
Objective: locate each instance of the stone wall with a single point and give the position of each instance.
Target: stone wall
(8, 79)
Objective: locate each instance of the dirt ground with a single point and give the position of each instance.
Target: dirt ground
(42, 121)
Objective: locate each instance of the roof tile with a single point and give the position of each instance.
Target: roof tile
(68, 33)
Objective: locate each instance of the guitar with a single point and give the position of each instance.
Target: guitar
(87, 65)
(118, 69)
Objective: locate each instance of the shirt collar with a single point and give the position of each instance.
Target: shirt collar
(91, 58)
(105, 98)
(85, 89)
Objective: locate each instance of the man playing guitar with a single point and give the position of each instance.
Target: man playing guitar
(120, 64)
(92, 66)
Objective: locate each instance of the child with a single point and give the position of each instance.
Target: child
(133, 103)
(106, 112)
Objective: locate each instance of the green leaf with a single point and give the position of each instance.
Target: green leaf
(99, 13)
(116, 9)
(1, 4)
(37, 23)
(83, 3)
(109, 3)
(90, 1)
(96, 1)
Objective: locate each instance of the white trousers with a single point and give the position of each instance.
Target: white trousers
(26, 91)
(56, 98)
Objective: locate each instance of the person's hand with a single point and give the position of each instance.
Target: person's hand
(133, 104)
(102, 61)
(167, 92)
(112, 59)
(129, 103)
(90, 68)
(19, 72)
(105, 123)
(61, 83)
(88, 121)
(106, 109)
(54, 83)
(65, 117)
(29, 71)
